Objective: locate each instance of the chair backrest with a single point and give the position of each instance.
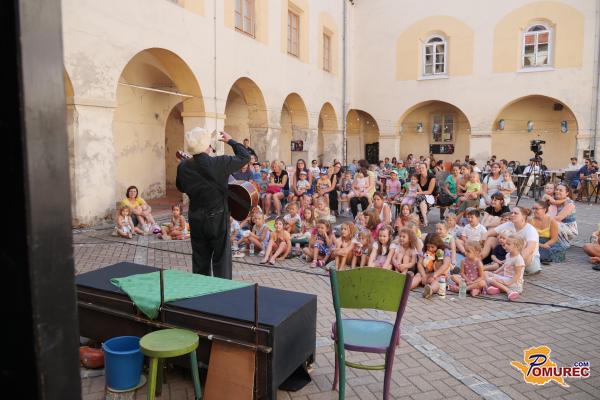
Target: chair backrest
(367, 287)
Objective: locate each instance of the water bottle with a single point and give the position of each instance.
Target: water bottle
(462, 291)
(251, 250)
(442, 289)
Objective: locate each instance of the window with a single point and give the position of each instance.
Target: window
(244, 16)
(442, 128)
(536, 47)
(326, 52)
(434, 56)
(293, 34)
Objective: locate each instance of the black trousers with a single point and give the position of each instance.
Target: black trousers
(209, 231)
(364, 203)
(333, 200)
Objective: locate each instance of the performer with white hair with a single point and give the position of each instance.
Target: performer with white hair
(204, 179)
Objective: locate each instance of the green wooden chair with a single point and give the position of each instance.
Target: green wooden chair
(373, 288)
(168, 343)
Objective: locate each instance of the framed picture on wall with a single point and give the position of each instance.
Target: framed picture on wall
(297, 145)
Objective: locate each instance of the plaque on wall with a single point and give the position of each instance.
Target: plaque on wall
(441, 148)
(297, 145)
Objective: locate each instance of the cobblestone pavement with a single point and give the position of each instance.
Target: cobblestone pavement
(450, 348)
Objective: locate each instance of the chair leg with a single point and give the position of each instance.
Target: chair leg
(152, 378)
(389, 363)
(196, 375)
(160, 376)
(336, 373)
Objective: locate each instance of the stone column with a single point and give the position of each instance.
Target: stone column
(311, 139)
(333, 146)
(93, 160)
(258, 140)
(272, 138)
(480, 146)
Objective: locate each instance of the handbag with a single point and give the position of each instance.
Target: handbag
(272, 188)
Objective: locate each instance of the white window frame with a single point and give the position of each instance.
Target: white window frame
(424, 46)
(526, 32)
(246, 11)
(327, 54)
(443, 116)
(290, 44)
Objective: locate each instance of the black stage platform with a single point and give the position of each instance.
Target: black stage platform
(285, 338)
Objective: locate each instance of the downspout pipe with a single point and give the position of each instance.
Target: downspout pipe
(595, 90)
(344, 94)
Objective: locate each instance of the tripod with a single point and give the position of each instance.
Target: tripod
(532, 179)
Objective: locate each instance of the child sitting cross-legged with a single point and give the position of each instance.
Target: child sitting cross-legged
(322, 210)
(509, 277)
(472, 193)
(405, 254)
(433, 263)
(471, 270)
(259, 236)
(382, 251)
(124, 226)
(344, 246)
(279, 245)
(177, 228)
(319, 248)
(442, 229)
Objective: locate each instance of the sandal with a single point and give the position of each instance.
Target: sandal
(492, 290)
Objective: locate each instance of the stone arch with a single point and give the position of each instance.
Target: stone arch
(156, 89)
(434, 122)
(246, 115)
(361, 131)
(511, 132)
(294, 126)
(327, 148)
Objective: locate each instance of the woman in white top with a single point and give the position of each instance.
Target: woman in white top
(518, 224)
(382, 208)
(490, 185)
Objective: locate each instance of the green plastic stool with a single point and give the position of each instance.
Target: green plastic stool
(169, 343)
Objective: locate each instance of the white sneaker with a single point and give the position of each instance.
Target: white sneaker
(261, 254)
(238, 254)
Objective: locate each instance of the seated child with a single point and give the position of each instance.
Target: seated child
(263, 184)
(507, 187)
(259, 236)
(344, 246)
(472, 192)
(359, 185)
(382, 251)
(498, 254)
(593, 250)
(393, 186)
(302, 187)
(403, 217)
(405, 254)
(124, 226)
(442, 230)
(319, 249)
(345, 187)
(471, 270)
(322, 209)
(235, 234)
(411, 190)
(413, 225)
(323, 186)
(509, 277)
(279, 245)
(293, 222)
(177, 228)
(433, 263)
(473, 231)
(362, 247)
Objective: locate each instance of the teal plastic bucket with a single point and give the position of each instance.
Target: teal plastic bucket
(123, 361)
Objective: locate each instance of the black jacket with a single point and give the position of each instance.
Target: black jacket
(200, 177)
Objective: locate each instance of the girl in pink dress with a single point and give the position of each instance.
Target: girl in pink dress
(471, 270)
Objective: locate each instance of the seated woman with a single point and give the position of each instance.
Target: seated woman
(141, 210)
(551, 250)
(565, 216)
(518, 224)
(426, 194)
(493, 214)
(593, 250)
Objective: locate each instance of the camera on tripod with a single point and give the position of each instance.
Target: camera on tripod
(536, 147)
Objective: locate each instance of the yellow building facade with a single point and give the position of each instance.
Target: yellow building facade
(478, 78)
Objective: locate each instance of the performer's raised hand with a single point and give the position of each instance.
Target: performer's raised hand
(225, 137)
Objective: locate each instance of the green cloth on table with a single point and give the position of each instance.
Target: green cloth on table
(144, 289)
